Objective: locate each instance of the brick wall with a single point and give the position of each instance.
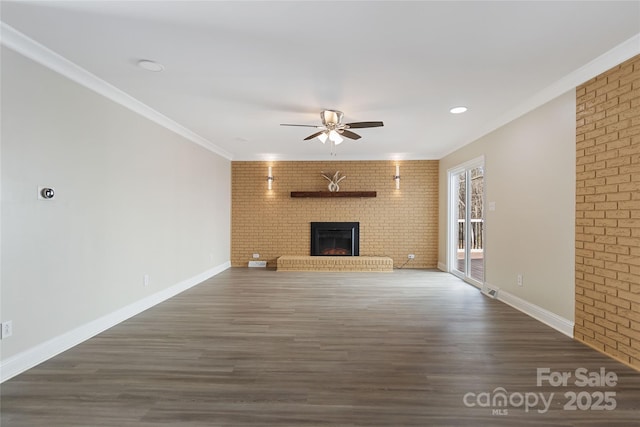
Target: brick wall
(608, 212)
(394, 224)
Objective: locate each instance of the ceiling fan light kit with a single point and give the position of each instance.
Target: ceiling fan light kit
(334, 130)
(334, 137)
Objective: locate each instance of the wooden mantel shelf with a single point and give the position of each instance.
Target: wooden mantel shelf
(335, 194)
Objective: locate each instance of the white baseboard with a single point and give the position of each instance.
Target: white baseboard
(558, 323)
(34, 356)
(442, 266)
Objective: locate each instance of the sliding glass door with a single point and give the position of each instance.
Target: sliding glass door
(466, 221)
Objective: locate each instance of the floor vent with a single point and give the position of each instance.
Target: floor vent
(257, 263)
(489, 291)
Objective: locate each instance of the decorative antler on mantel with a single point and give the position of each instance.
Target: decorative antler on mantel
(333, 181)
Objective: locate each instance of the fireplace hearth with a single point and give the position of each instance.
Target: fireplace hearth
(335, 239)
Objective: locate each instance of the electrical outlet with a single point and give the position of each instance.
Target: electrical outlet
(412, 256)
(256, 255)
(519, 279)
(145, 280)
(7, 329)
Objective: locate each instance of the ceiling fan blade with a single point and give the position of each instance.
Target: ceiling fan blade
(349, 134)
(304, 126)
(364, 125)
(313, 136)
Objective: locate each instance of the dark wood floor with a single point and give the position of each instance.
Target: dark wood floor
(254, 347)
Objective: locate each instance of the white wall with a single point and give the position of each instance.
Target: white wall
(530, 175)
(132, 198)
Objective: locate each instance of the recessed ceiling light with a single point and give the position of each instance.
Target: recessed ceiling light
(458, 110)
(145, 64)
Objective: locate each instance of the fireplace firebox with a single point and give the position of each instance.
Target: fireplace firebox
(335, 239)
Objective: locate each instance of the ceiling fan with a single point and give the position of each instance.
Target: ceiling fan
(333, 129)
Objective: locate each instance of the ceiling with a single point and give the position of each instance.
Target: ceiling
(235, 70)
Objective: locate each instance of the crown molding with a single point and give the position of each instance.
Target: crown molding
(29, 48)
(625, 50)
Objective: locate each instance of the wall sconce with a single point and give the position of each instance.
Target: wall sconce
(269, 179)
(396, 177)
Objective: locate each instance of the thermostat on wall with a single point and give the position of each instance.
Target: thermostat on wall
(46, 193)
